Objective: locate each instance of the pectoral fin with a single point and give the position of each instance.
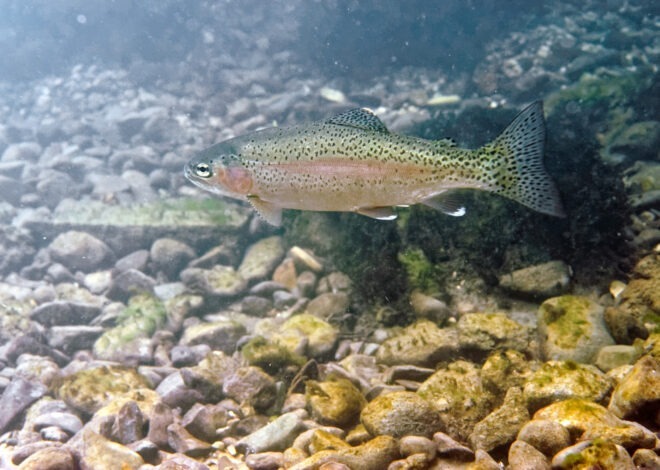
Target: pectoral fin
(269, 211)
(448, 202)
(380, 213)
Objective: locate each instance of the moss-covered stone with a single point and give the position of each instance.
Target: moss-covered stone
(588, 420)
(559, 380)
(502, 425)
(420, 271)
(597, 90)
(139, 320)
(320, 335)
(197, 222)
(638, 393)
(505, 369)
(458, 394)
(337, 403)
(270, 356)
(90, 389)
(401, 414)
(14, 318)
(421, 344)
(219, 281)
(375, 454)
(488, 331)
(572, 328)
(637, 313)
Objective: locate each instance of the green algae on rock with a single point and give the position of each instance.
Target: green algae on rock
(269, 355)
(399, 414)
(319, 335)
(460, 397)
(559, 380)
(91, 389)
(588, 420)
(597, 453)
(572, 328)
(502, 425)
(638, 393)
(420, 344)
(219, 282)
(637, 312)
(14, 318)
(375, 454)
(135, 325)
(488, 331)
(540, 281)
(197, 222)
(334, 402)
(505, 369)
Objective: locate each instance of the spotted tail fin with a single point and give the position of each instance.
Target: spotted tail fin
(515, 160)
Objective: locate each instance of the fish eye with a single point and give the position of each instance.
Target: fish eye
(203, 170)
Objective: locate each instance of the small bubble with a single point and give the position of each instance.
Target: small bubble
(82, 19)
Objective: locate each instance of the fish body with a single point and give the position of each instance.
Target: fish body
(352, 163)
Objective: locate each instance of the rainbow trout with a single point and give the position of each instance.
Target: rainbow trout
(352, 163)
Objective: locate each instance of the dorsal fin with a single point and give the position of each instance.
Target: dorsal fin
(360, 118)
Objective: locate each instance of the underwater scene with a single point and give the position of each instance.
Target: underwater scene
(329, 234)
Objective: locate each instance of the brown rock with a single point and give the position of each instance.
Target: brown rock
(523, 456)
(400, 414)
(547, 436)
(50, 458)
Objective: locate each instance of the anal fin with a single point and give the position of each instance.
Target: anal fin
(448, 202)
(380, 213)
(267, 210)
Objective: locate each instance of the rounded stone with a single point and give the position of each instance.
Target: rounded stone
(420, 344)
(50, 458)
(546, 436)
(221, 335)
(488, 331)
(559, 380)
(638, 393)
(400, 414)
(336, 403)
(80, 251)
(572, 328)
(542, 280)
(219, 281)
(523, 456)
(170, 256)
(410, 445)
(598, 453)
(261, 258)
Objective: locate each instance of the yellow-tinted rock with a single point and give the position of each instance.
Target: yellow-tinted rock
(459, 396)
(420, 344)
(99, 452)
(560, 380)
(375, 454)
(488, 331)
(572, 328)
(598, 453)
(588, 420)
(400, 414)
(91, 389)
(50, 458)
(502, 425)
(337, 403)
(639, 390)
